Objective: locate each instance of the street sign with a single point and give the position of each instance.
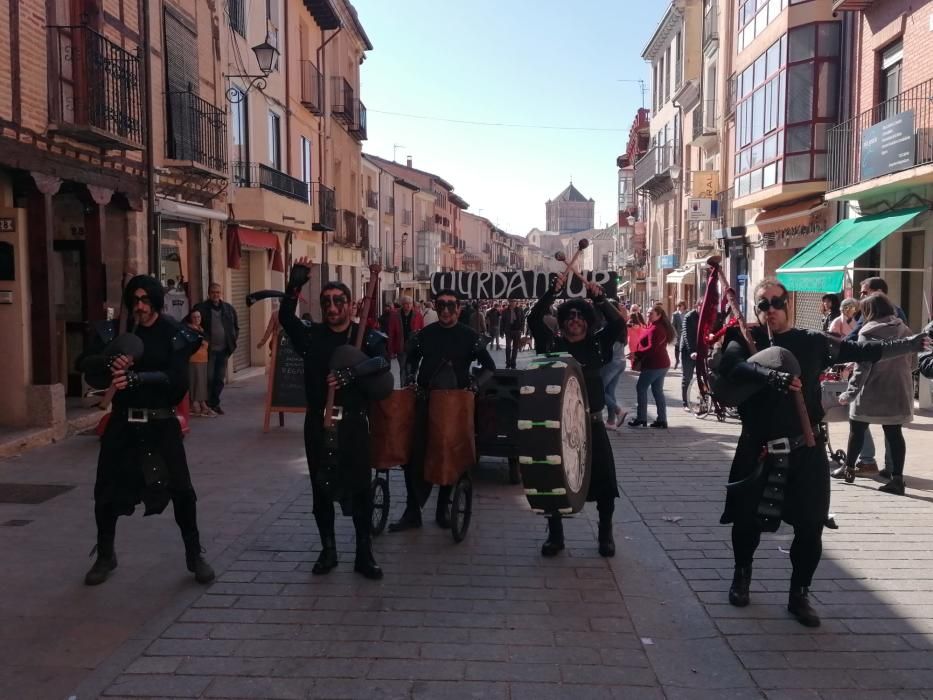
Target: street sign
(888, 146)
(699, 209)
(666, 262)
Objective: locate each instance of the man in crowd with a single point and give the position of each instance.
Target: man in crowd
(221, 330)
(513, 322)
(440, 357)
(687, 343)
(142, 458)
(339, 469)
(677, 321)
(401, 327)
(430, 315)
(772, 451)
(493, 319)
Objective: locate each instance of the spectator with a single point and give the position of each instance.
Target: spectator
(677, 321)
(197, 370)
(845, 322)
(882, 392)
(430, 315)
(222, 330)
(272, 331)
(384, 318)
(477, 320)
(493, 319)
(176, 302)
(513, 323)
(829, 310)
(635, 318)
(688, 347)
(655, 362)
(402, 325)
(612, 371)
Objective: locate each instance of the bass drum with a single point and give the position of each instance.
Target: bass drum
(554, 435)
(391, 422)
(451, 447)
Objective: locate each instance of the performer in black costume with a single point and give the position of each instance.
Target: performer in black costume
(590, 347)
(771, 427)
(345, 475)
(142, 458)
(440, 355)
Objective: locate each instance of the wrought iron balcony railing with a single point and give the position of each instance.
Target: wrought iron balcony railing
(261, 175)
(96, 96)
(343, 101)
(892, 136)
(348, 229)
(407, 264)
(196, 131)
(704, 119)
(358, 126)
(325, 208)
(312, 88)
(372, 199)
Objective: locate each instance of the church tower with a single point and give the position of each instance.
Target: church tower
(570, 212)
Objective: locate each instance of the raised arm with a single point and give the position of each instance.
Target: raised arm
(298, 278)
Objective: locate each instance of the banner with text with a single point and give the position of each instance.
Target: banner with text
(517, 284)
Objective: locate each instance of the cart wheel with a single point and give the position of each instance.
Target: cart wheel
(839, 457)
(850, 475)
(381, 500)
(461, 508)
(515, 472)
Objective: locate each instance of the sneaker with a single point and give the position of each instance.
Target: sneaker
(866, 468)
(686, 407)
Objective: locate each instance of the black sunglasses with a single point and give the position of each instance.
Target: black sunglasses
(335, 300)
(776, 303)
(142, 299)
(449, 305)
(573, 313)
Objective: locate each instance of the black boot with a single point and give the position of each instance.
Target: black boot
(555, 536)
(442, 512)
(607, 545)
(327, 560)
(203, 573)
(798, 605)
(365, 562)
(103, 566)
(895, 486)
(741, 580)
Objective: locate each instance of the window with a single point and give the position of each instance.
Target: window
(754, 16)
(666, 77)
(275, 140)
(306, 162)
(236, 14)
(239, 124)
(892, 59)
(678, 62)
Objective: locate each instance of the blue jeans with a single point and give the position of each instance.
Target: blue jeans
(216, 373)
(611, 373)
(653, 378)
(868, 452)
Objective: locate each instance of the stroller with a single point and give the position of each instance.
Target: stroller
(834, 382)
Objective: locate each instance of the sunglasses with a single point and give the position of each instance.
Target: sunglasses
(574, 314)
(142, 300)
(449, 305)
(337, 300)
(776, 303)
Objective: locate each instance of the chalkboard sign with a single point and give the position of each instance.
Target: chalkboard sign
(518, 284)
(286, 387)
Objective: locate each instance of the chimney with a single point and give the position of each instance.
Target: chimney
(409, 161)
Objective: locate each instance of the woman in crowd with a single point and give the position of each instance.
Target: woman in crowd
(654, 361)
(845, 322)
(612, 372)
(197, 371)
(882, 392)
(829, 309)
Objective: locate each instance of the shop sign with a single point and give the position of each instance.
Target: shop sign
(699, 209)
(7, 224)
(800, 233)
(667, 262)
(888, 146)
(705, 184)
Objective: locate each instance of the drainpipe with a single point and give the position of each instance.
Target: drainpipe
(152, 221)
(323, 127)
(288, 92)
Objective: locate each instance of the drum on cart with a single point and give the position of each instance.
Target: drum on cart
(451, 451)
(391, 425)
(554, 435)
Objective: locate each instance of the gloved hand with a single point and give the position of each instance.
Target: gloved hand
(780, 380)
(921, 341)
(299, 276)
(339, 378)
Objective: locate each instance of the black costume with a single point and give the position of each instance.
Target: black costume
(687, 342)
(592, 353)
(142, 458)
(339, 472)
(769, 416)
(441, 358)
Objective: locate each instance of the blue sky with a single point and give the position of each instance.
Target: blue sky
(532, 62)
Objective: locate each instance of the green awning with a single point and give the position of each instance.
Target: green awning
(820, 267)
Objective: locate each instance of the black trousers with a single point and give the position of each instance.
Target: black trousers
(184, 504)
(893, 440)
(322, 505)
(689, 365)
(512, 341)
(805, 551)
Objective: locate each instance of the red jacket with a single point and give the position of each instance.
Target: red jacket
(652, 349)
(396, 334)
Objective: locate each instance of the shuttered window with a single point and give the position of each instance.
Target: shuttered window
(181, 78)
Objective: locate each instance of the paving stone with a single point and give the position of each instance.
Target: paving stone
(261, 688)
(161, 685)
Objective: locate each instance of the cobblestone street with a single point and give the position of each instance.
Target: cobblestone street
(488, 618)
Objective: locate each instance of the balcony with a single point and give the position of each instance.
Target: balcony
(261, 175)
(95, 95)
(502, 261)
(312, 88)
(325, 218)
(343, 106)
(358, 126)
(652, 173)
(372, 199)
(348, 229)
(705, 128)
(197, 135)
(427, 225)
(884, 148)
(407, 265)
(710, 23)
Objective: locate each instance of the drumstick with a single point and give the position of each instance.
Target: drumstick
(570, 270)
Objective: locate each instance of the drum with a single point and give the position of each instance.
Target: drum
(554, 435)
(451, 439)
(391, 426)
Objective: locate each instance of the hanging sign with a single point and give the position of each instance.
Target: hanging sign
(517, 284)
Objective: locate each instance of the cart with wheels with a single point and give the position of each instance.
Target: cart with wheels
(391, 434)
(833, 382)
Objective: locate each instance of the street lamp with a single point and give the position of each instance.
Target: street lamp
(266, 55)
